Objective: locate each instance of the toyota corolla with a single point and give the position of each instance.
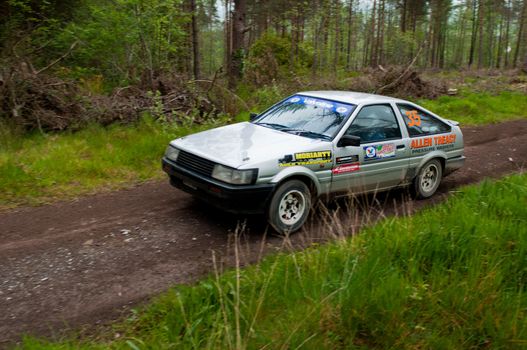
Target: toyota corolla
(315, 144)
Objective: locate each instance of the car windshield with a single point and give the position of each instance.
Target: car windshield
(307, 116)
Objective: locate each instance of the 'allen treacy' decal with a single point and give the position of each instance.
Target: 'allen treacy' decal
(346, 168)
(379, 151)
(306, 158)
(347, 159)
(431, 143)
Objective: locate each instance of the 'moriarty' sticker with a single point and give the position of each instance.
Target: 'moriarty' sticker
(306, 158)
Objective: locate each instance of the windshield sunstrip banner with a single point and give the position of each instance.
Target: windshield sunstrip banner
(336, 107)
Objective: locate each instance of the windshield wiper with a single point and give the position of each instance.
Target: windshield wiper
(273, 125)
(298, 132)
(308, 133)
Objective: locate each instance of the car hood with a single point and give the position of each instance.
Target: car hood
(244, 144)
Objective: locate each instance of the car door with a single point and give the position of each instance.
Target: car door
(381, 160)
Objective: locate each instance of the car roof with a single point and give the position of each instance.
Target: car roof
(351, 97)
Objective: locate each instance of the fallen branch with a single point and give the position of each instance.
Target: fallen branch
(396, 81)
(58, 59)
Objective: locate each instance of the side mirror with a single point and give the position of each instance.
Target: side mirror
(253, 116)
(349, 140)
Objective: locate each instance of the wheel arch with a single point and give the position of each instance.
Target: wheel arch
(440, 156)
(301, 174)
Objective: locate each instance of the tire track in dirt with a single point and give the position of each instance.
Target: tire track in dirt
(83, 262)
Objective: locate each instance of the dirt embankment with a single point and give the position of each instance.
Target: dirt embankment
(81, 263)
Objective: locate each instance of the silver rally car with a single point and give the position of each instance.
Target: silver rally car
(315, 144)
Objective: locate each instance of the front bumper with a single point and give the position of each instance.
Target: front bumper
(242, 199)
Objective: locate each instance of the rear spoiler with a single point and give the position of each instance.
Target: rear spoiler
(453, 122)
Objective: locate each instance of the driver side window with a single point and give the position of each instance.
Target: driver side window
(375, 123)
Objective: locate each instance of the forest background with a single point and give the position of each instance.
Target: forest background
(68, 63)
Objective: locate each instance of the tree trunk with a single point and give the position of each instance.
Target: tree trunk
(380, 33)
(228, 35)
(350, 25)
(507, 34)
(373, 41)
(237, 50)
(481, 17)
(337, 36)
(523, 14)
(500, 36)
(195, 40)
(473, 35)
(404, 5)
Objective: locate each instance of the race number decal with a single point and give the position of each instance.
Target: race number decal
(415, 118)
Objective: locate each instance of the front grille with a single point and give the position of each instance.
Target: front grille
(194, 163)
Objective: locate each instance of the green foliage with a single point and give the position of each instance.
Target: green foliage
(124, 38)
(449, 277)
(279, 47)
(482, 108)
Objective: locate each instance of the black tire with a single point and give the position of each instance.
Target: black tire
(290, 207)
(428, 179)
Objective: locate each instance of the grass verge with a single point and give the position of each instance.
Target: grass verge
(36, 169)
(479, 108)
(450, 277)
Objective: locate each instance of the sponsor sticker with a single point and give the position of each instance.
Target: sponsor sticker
(386, 150)
(347, 159)
(346, 168)
(306, 158)
(430, 143)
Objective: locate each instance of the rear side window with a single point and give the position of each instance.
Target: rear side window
(375, 123)
(420, 123)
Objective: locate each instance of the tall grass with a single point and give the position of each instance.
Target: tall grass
(37, 168)
(450, 277)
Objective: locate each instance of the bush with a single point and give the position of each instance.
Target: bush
(271, 57)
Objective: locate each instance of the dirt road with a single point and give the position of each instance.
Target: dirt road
(79, 263)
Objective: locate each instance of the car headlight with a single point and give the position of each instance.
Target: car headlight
(171, 153)
(233, 176)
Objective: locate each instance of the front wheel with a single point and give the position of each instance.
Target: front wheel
(289, 207)
(428, 179)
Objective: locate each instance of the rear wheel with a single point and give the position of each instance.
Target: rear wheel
(428, 179)
(289, 207)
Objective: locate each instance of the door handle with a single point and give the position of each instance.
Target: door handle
(401, 146)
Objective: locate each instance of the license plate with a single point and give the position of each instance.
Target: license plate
(188, 184)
